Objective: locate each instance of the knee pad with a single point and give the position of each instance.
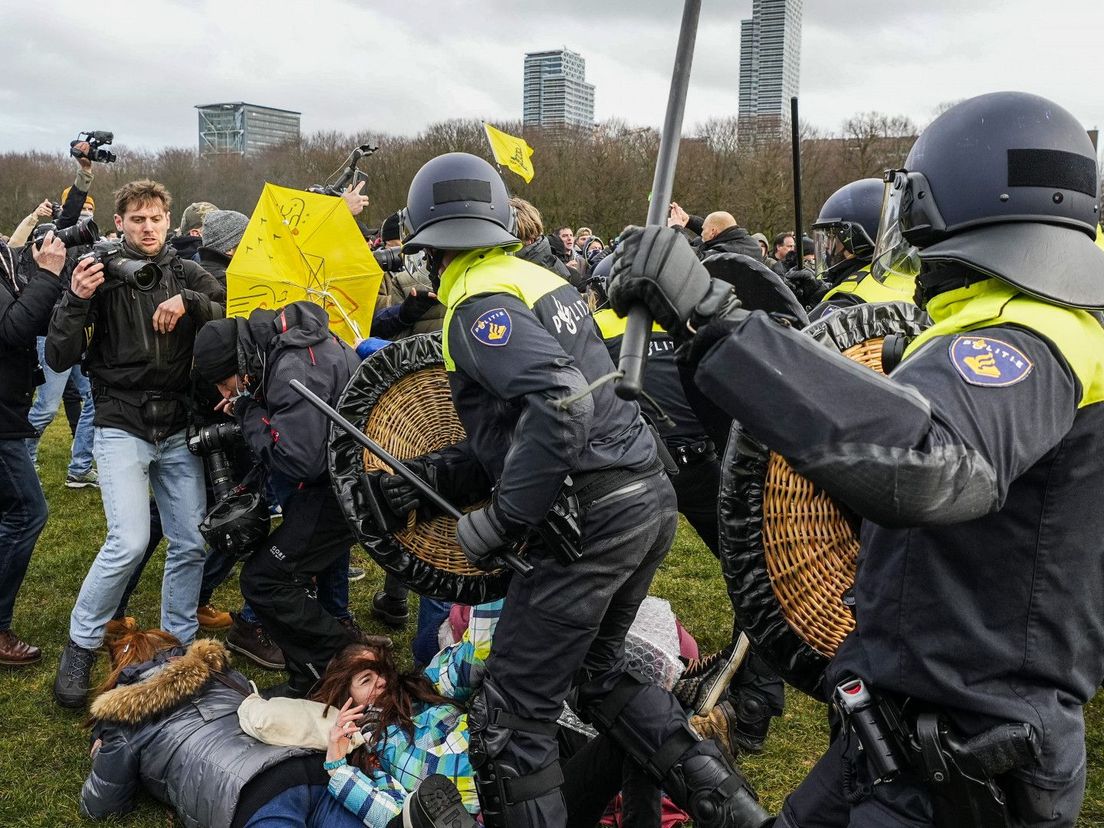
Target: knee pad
(498, 780)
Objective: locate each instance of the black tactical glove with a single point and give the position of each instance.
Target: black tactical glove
(806, 286)
(401, 496)
(483, 533)
(656, 267)
(416, 305)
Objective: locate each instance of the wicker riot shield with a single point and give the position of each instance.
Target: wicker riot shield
(788, 550)
(400, 398)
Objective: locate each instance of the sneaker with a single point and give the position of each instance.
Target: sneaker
(74, 676)
(733, 732)
(357, 633)
(252, 641)
(436, 803)
(355, 573)
(81, 481)
(390, 611)
(705, 680)
(213, 619)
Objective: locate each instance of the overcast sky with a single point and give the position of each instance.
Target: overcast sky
(138, 69)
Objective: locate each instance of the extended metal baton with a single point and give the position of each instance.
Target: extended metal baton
(638, 330)
(509, 557)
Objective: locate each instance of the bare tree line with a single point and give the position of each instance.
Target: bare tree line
(598, 177)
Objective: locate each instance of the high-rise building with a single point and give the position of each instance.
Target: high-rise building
(556, 92)
(770, 65)
(244, 128)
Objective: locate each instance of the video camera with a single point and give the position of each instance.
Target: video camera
(348, 173)
(83, 232)
(96, 139)
(239, 520)
(137, 273)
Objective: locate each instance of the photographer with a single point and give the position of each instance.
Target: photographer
(252, 363)
(25, 305)
(141, 306)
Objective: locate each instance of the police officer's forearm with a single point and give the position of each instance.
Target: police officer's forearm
(866, 440)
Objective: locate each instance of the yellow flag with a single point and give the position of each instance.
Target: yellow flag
(305, 246)
(511, 152)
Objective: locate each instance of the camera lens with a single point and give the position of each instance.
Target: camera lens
(146, 277)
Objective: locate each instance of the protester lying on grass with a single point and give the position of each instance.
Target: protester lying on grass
(166, 721)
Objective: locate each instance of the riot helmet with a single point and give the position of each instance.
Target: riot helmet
(237, 524)
(848, 224)
(457, 201)
(1006, 184)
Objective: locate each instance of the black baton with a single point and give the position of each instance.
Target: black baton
(509, 557)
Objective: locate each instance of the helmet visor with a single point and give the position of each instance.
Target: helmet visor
(892, 254)
(829, 246)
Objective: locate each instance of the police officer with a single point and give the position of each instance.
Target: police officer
(843, 236)
(520, 350)
(754, 693)
(977, 466)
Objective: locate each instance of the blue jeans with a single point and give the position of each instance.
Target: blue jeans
(303, 806)
(22, 516)
(128, 467)
(431, 613)
(46, 406)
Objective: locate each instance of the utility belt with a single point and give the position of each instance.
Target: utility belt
(961, 773)
(561, 531)
(691, 454)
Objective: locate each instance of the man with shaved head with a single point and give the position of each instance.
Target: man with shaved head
(719, 233)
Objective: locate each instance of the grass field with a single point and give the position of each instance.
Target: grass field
(44, 749)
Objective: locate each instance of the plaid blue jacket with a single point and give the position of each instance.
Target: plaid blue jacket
(440, 743)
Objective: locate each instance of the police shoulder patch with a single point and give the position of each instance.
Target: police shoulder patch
(993, 363)
(492, 327)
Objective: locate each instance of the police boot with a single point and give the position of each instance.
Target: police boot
(703, 783)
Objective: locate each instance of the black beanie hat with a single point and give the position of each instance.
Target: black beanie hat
(390, 229)
(216, 350)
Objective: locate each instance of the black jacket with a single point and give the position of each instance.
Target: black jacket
(980, 579)
(287, 433)
(187, 247)
(540, 253)
(172, 727)
(125, 358)
(516, 340)
(214, 263)
(732, 240)
(25, 307)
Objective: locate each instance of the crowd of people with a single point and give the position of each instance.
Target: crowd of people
(972, 468)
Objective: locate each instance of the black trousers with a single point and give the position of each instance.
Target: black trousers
(567, 624)
(277, 581)
(697, 486)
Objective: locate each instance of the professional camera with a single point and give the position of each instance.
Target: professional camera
(211, 442)
(239, 520)
(96, 140)
(389, 259)
(83, 232)
(137, 273)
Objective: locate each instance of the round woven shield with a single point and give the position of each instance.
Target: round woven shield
(788, 550)
(400, 398)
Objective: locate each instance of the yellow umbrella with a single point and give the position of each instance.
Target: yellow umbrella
(301, 245)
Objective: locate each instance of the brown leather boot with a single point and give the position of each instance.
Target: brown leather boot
(14, 652)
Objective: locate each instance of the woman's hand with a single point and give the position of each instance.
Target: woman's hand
(343, 729)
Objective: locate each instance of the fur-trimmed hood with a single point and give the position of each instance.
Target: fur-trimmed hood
(164, 686)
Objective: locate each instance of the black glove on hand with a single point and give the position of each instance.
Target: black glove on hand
(656, 267)
(416, 305)
(402, 497)
(806, 286)
(483, 533)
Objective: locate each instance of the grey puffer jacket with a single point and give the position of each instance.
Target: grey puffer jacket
(173, 727)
